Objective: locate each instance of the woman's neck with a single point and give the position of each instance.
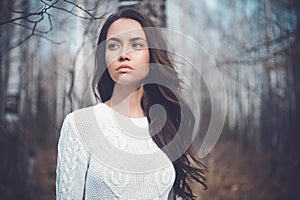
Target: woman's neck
(127, 100)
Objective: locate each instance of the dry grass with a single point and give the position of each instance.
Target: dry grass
(237, 174)
(43, 180)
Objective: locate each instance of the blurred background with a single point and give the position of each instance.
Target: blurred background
(45, 73)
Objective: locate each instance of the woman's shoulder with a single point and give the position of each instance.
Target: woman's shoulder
(89, 111)
(86, 122)
(90, 116)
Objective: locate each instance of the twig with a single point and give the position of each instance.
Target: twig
(82, 9)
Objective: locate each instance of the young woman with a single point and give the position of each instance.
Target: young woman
(123, 148)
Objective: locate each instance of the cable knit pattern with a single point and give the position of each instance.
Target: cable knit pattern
(99, 158)
(72, 163)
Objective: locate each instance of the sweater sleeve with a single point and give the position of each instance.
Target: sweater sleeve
(72, 162)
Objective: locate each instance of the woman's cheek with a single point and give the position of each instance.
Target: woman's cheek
(144, 57)
(110, 58)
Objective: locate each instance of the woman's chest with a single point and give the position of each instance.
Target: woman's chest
(111, 182)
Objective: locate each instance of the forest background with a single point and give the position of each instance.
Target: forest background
(46, 44)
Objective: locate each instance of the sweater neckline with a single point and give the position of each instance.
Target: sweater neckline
(122, 115)
(141, 122)
(136, 127)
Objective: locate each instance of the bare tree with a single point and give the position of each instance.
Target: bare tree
(41, 12)
(27, 93)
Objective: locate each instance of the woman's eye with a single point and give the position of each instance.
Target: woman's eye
(137, 45)
(112, 46)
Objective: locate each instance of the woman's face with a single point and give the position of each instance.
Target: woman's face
(127, 55)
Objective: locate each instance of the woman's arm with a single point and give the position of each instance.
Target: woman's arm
(72, 162)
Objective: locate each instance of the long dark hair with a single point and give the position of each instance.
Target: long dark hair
(187, 166)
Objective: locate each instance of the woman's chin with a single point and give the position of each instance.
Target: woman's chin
(128, 81)
(130, 78)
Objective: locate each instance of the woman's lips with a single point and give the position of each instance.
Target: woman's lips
(124, 68)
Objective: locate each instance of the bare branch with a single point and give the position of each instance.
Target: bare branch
(20, 42)
(35, 23)
(41, 14)
(48, 39)
(84, 10)
(18, 18)
(25, 26)
(22, 12)
(74, 14)
(31, 35)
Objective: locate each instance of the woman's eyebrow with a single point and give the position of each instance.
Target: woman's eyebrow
(114, 39)
(131, 39)
(137, 38)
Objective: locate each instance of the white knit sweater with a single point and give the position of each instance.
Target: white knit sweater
(105, 155)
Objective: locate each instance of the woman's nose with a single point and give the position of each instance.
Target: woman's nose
(125, 55)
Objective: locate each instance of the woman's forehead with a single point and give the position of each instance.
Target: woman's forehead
(125, 28)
